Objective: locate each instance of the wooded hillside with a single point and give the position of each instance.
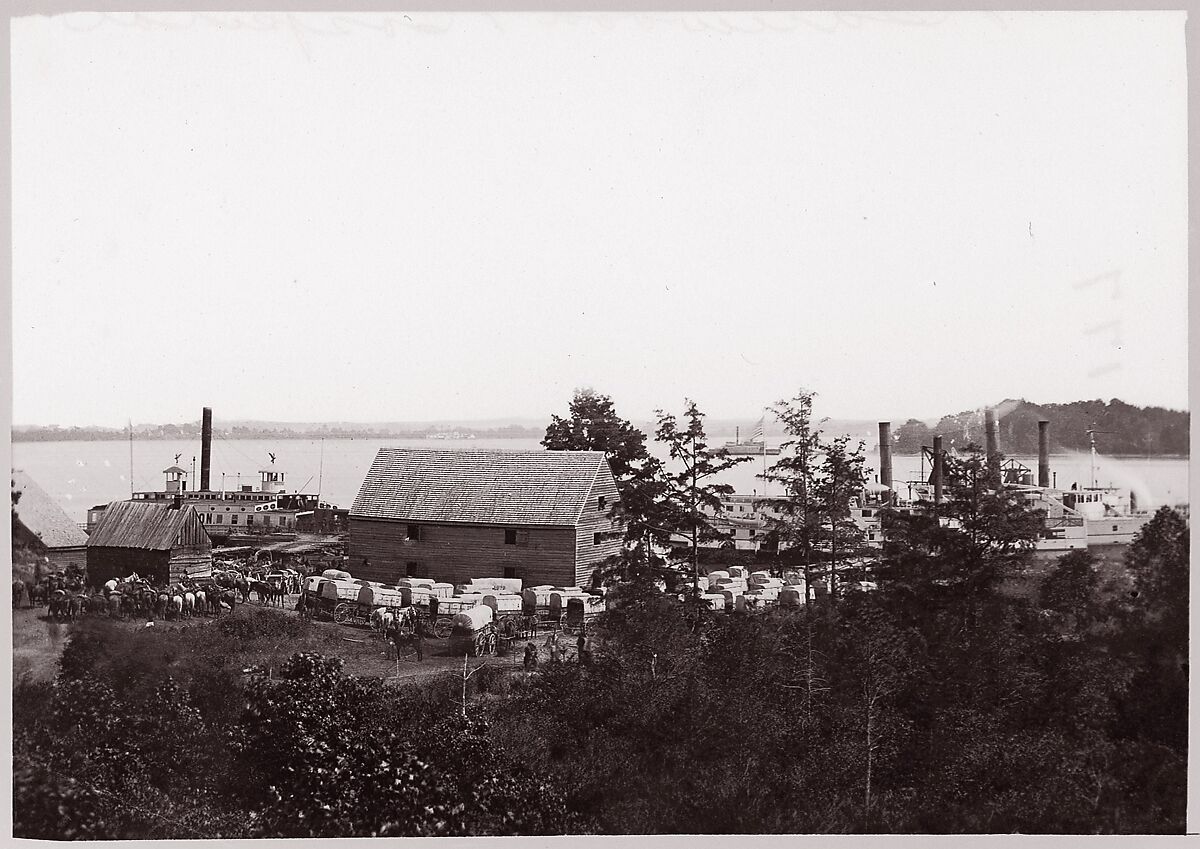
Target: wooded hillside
(1130, 429)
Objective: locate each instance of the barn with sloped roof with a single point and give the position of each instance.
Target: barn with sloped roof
(41, 525)
(547, 517)
(161, 542)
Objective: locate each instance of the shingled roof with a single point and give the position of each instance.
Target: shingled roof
(131, 524)
(478, 487)
(41, 515)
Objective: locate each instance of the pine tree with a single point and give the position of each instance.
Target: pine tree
(688, 491)
(593, 425)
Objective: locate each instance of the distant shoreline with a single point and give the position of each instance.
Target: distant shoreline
(505, 433)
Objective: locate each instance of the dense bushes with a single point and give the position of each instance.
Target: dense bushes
(976, 712)
(1060, 710)
(151, 733)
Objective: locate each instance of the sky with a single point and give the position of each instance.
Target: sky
(426, 216)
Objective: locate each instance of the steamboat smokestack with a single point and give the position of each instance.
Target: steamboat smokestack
(989, 431)
(885, 454)
(205, 447)
(937, 471)
(1043, 453)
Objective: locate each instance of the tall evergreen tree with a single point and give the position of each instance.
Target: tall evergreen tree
(820, 479)
(692, 487)
(592, 424)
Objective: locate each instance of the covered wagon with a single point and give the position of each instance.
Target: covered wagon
(473, 632)
(443, 610)
(336, 593)
(508, 586)
(512, 623)
(535, 602)
(370, 598)
(581, 612)
(792, 595)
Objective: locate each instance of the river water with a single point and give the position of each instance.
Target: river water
(79, 475)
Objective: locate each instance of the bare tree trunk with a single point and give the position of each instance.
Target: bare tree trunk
(870, 752)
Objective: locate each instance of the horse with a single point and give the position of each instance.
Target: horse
(201, 602)
(267, 593)
(115, 606)
(57, 604)
(161, 600)
(175, 607)
(382, 619)
(19, 593)
(189, 603)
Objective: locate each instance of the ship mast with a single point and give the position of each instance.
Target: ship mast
(1092, 438)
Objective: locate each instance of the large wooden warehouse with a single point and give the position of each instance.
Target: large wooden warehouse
(41, 526)
(161, 542)
(547, 517)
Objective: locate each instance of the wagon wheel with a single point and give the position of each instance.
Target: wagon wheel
(490, 642)
(441, 628)
(340, 614)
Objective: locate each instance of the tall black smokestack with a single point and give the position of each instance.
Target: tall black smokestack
(993, 447)
(937, 471)
(205, 447)
(885, 453)
(1043, 453)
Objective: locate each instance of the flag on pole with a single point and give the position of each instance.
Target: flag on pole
(759, 430)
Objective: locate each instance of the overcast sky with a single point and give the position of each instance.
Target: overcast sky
(456, 216)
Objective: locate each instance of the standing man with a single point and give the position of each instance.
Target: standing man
(419, 636)
(530, 658)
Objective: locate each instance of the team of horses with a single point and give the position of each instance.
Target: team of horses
(68, 597)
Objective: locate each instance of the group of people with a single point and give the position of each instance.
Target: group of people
(557, 648)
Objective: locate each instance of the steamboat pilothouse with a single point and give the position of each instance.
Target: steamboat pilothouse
(265, 509)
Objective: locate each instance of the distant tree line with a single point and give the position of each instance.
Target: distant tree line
(192, 431)
(1129, 429)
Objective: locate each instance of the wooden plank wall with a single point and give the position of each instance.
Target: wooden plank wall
(61, 558)
(193, 534)
(190, 562)
(593, 520)
(457, 553)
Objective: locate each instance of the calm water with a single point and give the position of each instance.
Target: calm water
(81, 474)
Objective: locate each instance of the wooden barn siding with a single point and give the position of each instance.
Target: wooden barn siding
(593, 520)
(193, 534)
(61, 558)
(190, 562)
(104, 564)
(457, 553)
